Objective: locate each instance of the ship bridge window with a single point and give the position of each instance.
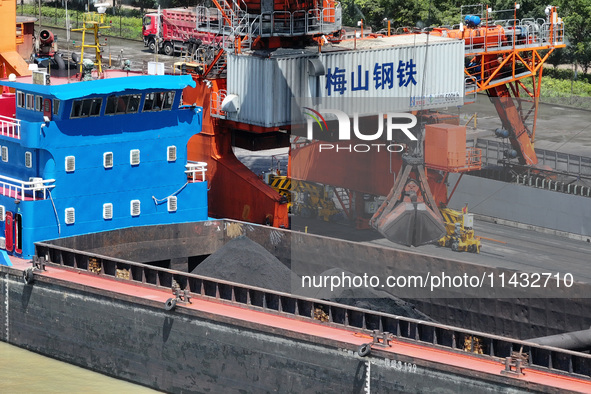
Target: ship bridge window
(128, 104)
(168, 100)
(30, 101)
(122, 103)
(56, 106)
(38, 103)
(159, 101)
(87, 107)
(20, 99)
(134, 103)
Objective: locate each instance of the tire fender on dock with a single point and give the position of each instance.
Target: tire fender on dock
(364, 350)
(170, 304)
(28, 276)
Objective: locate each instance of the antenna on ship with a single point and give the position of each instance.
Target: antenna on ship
(92, 23)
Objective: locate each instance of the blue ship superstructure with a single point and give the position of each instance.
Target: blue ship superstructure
(97, 155)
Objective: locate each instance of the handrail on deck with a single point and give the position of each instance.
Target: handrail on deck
(35, 188)
(10, 127)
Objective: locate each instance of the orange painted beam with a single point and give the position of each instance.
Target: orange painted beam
(10, 61)
(235, 192)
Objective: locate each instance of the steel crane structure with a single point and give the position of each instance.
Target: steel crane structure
(234, 27)
(501, 55)
(253, 39)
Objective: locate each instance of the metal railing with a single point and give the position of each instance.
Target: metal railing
(573, 171)
(279, 23)
(524, 33)
(196, 171)
(427, 334)
(215, 104)
(470, 89)
(10, 127)
(575, 165)
(34, 189)
(543, 182)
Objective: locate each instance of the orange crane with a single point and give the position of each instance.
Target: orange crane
(502, 54)
(10, 60)
(236, 26)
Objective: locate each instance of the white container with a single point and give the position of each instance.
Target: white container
(266, 86)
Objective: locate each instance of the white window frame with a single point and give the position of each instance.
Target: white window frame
(56, 106)
(132, 158)
(72, 160)
(39, 103)
(28, 159)
(171, 153)
(172, 203)
(20, 99)
(30, 101)
(2, 213)
(108, 211)
(105, 161)
(4, 154)
(70, 212)
(132, 206)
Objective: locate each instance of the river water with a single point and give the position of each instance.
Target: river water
(22, 371)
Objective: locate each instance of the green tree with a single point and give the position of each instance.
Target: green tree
(374, 13)
(576, 15)
(143, 4)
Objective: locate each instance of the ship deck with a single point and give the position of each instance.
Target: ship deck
(310, 331)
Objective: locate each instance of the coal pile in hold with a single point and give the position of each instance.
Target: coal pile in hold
(244, 261)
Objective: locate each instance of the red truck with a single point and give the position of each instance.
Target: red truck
(174, 31)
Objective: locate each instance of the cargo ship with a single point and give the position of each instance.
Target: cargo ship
(109, 302)
(112, 288)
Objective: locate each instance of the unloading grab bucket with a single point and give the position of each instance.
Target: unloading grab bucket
(411, 224)
(409, 215)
